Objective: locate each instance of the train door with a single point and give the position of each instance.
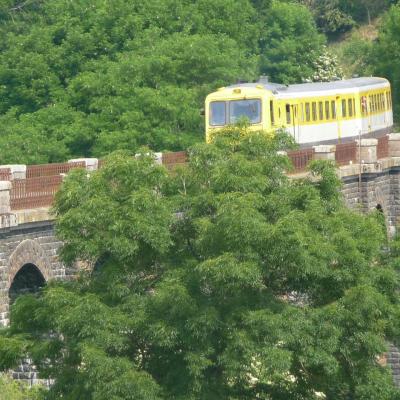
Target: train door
(337, 116)
(296, 122)
(365, 117)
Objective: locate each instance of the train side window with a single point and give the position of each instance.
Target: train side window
(333, 109)
(314, 111)
(327, 116)
(321, 110)
(302, 112)
(364, 105)
(308, 112)
(371, 104)
(344, 109)
(288, 115)
(375, 103)
(350, 107)
(354, 107)
(271, 112)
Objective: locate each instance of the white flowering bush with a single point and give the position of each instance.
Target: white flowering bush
(326, 68)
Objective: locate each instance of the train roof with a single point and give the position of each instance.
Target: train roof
(344, 84)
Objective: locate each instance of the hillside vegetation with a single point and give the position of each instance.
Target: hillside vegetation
(87, 77)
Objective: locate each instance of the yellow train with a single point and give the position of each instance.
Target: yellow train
(313, 113)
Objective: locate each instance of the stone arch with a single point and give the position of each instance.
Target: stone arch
(28, 279)
(28, 252)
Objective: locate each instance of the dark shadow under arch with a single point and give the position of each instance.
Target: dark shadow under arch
(28, 279)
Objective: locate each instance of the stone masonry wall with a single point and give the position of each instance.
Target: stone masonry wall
(379, 189)
(28, 244)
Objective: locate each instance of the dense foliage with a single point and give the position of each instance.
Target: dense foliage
(83, 78)
(222, 280)
(380, 57)
(87, 77)
(385, 54)
(12, 390)
(338, 16)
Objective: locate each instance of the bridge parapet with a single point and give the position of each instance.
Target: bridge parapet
(27, 191)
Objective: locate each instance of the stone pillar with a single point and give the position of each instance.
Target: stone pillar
(5, 205)
(394, 144)
(367, 151)
(7, 219)
(18, 171)
(324, 152)
(158, 158)
(91, 164)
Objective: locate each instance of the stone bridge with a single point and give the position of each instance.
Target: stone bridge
(369, 170)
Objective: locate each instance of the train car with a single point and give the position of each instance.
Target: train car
(313, 113)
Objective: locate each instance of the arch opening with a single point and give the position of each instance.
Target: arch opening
(28, 279)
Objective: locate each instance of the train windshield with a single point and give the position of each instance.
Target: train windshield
(218, 113)
(229, 112)
(250, 109)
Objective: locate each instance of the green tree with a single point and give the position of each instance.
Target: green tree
(12, 390)
(365, 10)
(385, 53)
(115, 69)
(222, 280)
(122, 74)
(335, 17)
(329, 16)
(290, 43)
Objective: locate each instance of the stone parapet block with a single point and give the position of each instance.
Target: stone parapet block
(158, 158)
(324, 152)
(91, 164)
(33, 215)
(18, 171)
(394, 144)
(5, 188)
(8, 220)
(367, 150)
(371, 168)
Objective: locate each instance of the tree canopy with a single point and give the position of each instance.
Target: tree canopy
(12, 390)
(222, 280)
(335, 17)
(88, 77)
(384, 55)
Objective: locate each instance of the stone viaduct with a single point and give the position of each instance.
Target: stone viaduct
(369, 170)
